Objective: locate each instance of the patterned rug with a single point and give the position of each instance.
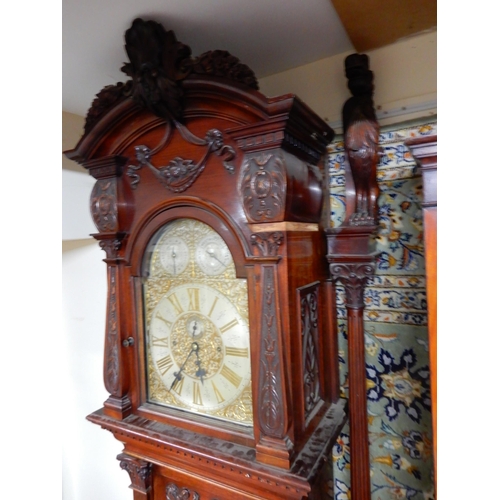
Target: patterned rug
(396, 339)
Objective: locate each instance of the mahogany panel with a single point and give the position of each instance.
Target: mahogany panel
(424, 149)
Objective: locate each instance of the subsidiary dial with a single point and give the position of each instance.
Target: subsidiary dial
(174, 255)
(213, 255)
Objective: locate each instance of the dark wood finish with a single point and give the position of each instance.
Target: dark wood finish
(361, 133)
(140, 475)
(425, 151)
(179, 141)
(351, 253)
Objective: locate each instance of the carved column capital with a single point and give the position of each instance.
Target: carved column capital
(267, 243)
(139, 471)
(110, 243)
(354, 277)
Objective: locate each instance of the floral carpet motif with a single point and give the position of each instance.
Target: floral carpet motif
(396, 338)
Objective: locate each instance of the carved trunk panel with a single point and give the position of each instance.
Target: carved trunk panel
(309, 327)
(272, 412)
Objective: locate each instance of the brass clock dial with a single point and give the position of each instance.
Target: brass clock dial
(198, 342)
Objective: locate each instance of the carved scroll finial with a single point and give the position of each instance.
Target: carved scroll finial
(361, 135)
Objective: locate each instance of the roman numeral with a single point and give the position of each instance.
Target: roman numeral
(177, 387)
(241, 352)
(164, 364)
(160, 342)
(228, 326)
(168, 323)
(213, 306)
(231, 376)
(197, 394)
(194, 299)
(174, 300)
(218, 395)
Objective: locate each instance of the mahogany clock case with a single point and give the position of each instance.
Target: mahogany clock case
(250, 169)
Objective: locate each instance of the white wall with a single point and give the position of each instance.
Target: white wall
(89, 468)
(405, 82)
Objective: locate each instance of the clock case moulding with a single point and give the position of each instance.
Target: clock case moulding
(194, 138)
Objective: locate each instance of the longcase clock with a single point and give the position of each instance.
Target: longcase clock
(220, 342)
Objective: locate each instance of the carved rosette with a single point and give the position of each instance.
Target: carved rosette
(308, 297)
(138, 470)
(354, 277)
(263, 187)
(103, 205)
(267, 243)
(173, 492)
(271, 410)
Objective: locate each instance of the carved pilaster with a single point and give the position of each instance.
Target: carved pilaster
(274, 446)
(140, 475)
(271, 407)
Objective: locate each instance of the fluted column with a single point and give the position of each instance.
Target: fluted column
(354, 276)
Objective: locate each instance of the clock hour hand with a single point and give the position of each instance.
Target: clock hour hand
(178, 375)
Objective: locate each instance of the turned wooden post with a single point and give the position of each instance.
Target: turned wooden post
(351, 252)
(353, 272)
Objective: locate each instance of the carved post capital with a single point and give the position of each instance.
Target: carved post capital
(267, 243)
(139, 471)
(354, 277)
(110, 243)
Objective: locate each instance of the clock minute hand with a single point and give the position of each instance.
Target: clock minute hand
(174, 255)
(212, 254)
(178, 375)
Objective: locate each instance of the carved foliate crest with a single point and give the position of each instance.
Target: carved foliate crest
(158, 64)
